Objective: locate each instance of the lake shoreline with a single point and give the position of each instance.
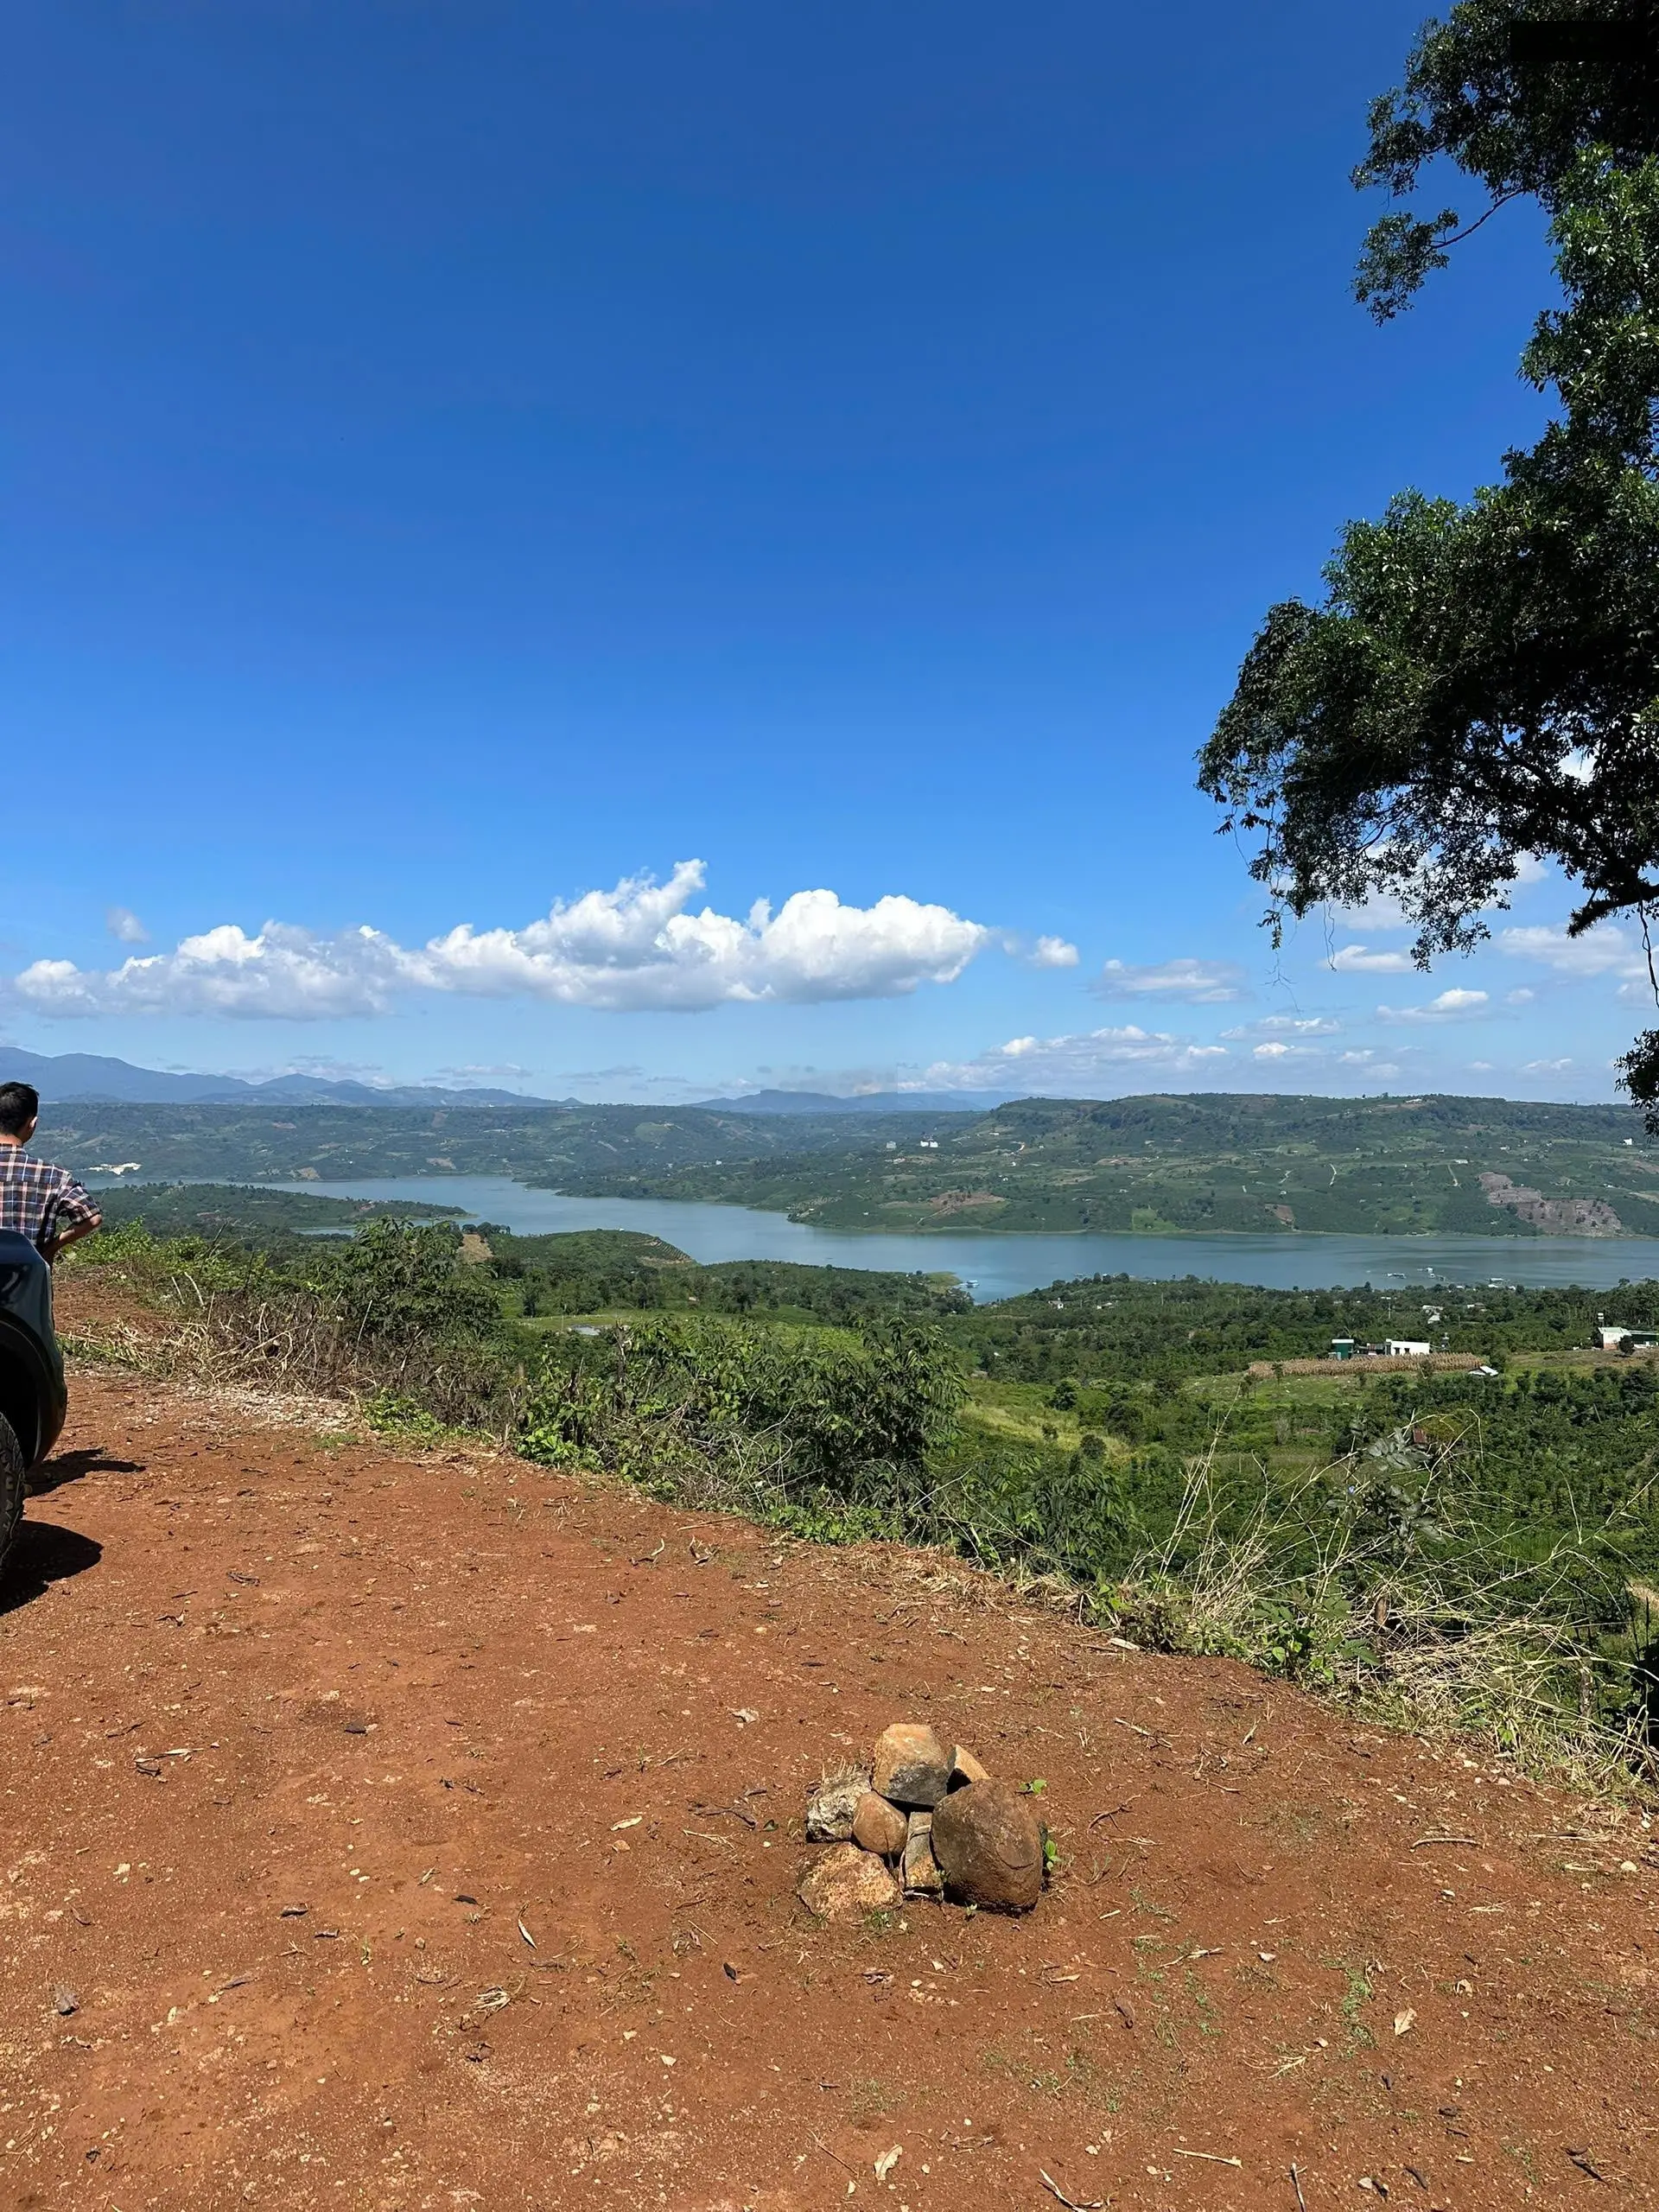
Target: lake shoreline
(1519, 1235)
(994, 1264)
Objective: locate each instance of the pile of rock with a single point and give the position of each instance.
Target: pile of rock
(920, 1821)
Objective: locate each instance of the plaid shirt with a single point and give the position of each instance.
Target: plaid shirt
(40, 1201)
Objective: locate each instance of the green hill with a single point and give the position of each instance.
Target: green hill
(1210, 1162)
(1474, 1167)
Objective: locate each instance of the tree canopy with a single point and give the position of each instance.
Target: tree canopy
(1481, 684)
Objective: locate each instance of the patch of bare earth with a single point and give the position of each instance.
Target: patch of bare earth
(387, 1832)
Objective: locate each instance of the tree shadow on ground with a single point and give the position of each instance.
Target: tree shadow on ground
(70, 1466)
(44, 1554)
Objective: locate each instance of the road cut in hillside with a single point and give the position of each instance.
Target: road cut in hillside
(422, 1832)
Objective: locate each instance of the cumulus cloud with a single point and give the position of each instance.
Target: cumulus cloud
(1386, 910)
(1039, 952)
(1382, 912)
(1288, 1025)
(1450, 1006)
(637, 948)
(1545, 1067)
(1068, 1062)
(1100, 1063)
(125, 926)
(1605, 951)
(1363, 1060)
(1360, 960)
(1199, 982)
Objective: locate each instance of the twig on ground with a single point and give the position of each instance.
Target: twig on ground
(1073, 2203)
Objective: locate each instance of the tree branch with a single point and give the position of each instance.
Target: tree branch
(1502, 200)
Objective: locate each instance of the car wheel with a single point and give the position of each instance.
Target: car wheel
(12, 1471)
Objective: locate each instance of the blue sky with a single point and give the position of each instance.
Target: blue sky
(463, 463)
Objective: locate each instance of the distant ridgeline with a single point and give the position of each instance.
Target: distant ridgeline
(1207, 1163)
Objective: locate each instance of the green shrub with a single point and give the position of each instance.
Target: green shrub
(393, 1310)
(818, 1423)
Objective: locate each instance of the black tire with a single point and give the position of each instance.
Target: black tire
(12, 1471)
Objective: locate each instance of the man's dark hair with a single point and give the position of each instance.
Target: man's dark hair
(20, 1103)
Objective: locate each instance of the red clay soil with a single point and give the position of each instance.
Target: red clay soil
(422, 1832)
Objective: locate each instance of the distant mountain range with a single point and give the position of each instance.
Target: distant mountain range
(65, 1077)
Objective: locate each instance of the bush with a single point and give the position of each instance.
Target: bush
(394, 1312)
(824, 1428)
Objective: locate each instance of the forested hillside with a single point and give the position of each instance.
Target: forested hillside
(1477, 1167)
(1473, 1166)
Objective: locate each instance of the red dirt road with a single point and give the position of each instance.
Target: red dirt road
(306, 1745)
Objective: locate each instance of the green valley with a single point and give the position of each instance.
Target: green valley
(1153, 1165)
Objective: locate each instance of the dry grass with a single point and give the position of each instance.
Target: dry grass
(1453, 1640)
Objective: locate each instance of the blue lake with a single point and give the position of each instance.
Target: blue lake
(998, 1267)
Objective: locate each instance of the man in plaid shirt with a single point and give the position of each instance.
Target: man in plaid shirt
(40, 1202)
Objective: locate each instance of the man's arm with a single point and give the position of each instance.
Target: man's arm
(76, 1216)
(63, 1239)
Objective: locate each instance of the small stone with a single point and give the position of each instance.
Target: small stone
(911, 1765)
(965, 1767)
(65, 2001)
(922, 1878)
(845, 1884)
(879, 1827)
(830, 1807)
(989, 1843)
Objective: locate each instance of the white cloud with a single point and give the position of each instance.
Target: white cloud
(281, 972)
(1605, 951)
(635, 948)
(1288, 1025)
(124, 925)
(1366, 1056)
(1360, 960)
(1450, 1006)
(1385, 910)
(1519, 998)
(1064, 1064)
(1545, 1067)
(1199, 982)
(1052, 952)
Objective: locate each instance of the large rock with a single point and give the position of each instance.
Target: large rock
(990, 1844)
(879, 1827)
(920, 1871)
(912, 1768)
(965, 1767)
(830, 1807)
(845, 1884)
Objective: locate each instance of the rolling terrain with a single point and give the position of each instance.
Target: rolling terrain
(1238, 1164)
(563, 1148)
(1473, 1166)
